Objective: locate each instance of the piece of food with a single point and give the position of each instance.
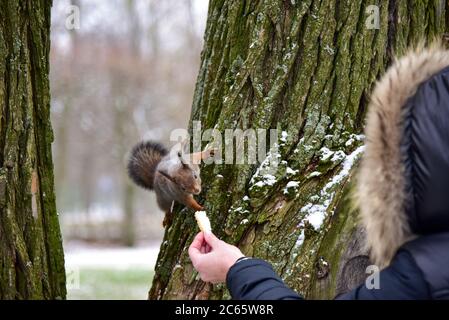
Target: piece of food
(203, 221)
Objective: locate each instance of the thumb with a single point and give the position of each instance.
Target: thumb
(211, 239)
(196, 245)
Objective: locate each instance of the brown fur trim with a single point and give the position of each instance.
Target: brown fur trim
(380, 191)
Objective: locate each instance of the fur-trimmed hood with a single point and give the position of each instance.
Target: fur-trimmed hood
(403, 181)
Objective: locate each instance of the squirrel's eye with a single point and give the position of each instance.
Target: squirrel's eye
(195, 176)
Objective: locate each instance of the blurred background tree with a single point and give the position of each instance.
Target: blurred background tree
(128, 73)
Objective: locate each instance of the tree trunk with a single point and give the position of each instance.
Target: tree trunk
(31, 255)
(305, 67)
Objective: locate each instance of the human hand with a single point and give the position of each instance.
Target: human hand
(212, 257)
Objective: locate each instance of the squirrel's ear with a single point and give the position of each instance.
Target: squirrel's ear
(183, 161)
(165, 174)
(185, 146)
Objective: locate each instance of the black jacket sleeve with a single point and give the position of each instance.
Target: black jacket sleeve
(255, 279)
(401, 280)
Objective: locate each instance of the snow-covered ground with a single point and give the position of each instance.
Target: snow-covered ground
(109, 272)
(89, 256)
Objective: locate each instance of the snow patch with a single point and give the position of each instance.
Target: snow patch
(353, 138)
(238, 209)
(267, 168)
(300, 239)
(116, 258)
(338, 156)
(314, 174)
(326, 153)
(291, 184)
(284, 136)
(316, 213)
(267, 179)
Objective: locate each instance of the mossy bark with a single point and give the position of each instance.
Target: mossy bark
(31, 255)
(306, 67)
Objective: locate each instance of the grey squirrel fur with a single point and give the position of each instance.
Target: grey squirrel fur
(173, 176)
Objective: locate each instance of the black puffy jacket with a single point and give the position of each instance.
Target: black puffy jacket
(402, 188)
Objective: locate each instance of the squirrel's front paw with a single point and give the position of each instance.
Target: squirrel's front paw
(198, 207)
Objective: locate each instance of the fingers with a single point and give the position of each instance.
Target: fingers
(211, 239)
(197, 244)
(198, 241)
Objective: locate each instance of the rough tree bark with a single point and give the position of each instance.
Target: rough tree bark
(31, 255)
(306, 67)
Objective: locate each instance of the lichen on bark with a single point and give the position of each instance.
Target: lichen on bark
(31, 255)
(306, 68)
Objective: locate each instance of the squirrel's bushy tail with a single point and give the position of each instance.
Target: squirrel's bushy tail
(143, 161)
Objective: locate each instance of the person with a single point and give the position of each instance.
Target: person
(402, 193)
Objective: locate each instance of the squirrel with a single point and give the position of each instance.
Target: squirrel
(169, 174)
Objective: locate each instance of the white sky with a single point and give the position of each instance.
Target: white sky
(110, 17)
